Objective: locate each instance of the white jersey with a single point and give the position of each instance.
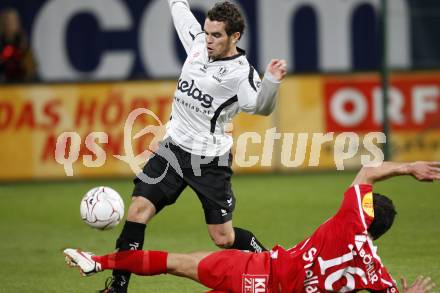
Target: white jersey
(210, 93)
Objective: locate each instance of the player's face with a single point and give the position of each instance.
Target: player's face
(218, 43)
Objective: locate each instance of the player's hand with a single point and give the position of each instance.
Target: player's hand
(425, 171)
(278, 68)
(420, 285)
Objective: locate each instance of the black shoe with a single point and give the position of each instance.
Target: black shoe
(115, 285)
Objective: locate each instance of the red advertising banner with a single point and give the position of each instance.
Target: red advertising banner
(355, 103)
(33, 119)
(314, 118)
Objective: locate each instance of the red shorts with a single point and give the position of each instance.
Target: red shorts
(236, 271)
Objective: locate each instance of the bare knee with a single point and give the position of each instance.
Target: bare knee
(223, 239)
(185, 265)
(141, 210)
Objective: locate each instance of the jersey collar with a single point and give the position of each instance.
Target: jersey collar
(241, 52)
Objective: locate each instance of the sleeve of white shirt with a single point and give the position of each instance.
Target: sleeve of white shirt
(187, 26)
(256, 96)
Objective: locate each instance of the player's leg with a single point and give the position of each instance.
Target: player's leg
(185, 265)
(140, 212)
(224, 271)
(214, 189)
(139, 262)
(226, 236)
(148, 200)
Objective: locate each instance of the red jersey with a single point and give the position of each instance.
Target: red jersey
(339, 256)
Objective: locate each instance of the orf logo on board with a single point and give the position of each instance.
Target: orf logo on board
(255, 283)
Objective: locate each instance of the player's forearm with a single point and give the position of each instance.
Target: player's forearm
(171, 3)
(182, 15)
(185, 23)
(422, 171)
(266, 98)
(370, 175)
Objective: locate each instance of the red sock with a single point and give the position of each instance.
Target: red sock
(139, 262)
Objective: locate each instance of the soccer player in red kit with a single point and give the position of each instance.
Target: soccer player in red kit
(338, 257)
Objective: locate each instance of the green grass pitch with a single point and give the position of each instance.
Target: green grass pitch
(39, 220)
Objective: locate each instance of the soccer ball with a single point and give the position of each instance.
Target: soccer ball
(102, 208)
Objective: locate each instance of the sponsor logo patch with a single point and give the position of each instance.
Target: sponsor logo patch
(192, 91)
(220, 74)
(367, 204)
(204, 68)
(255, 283)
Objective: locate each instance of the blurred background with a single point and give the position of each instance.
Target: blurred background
(82, 66)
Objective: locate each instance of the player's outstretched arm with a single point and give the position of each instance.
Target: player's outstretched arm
(262, 100)
(420, 285)
(266, 99)
(187, 26)
(422, 171)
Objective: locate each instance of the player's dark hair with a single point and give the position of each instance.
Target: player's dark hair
(384, 213)
(228, 13)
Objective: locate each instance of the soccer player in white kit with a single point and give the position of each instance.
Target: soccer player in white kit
(216, 83)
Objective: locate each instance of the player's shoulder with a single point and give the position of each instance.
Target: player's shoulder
(247, 67)
(239, 61)
(235, 68)
(241, 65)
(355, 197)
(243, 68)
(358, 198)
(359, 189)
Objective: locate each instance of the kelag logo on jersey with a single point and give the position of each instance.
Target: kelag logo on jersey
(185, 87)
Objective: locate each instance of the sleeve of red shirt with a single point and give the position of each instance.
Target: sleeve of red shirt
(358, 205)
(392, 289)
(387, 280)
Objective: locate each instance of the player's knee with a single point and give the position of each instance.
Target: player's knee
(141, 210)
(184, 265)
(223, 240)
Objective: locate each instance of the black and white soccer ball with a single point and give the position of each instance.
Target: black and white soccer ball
(102, 208)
